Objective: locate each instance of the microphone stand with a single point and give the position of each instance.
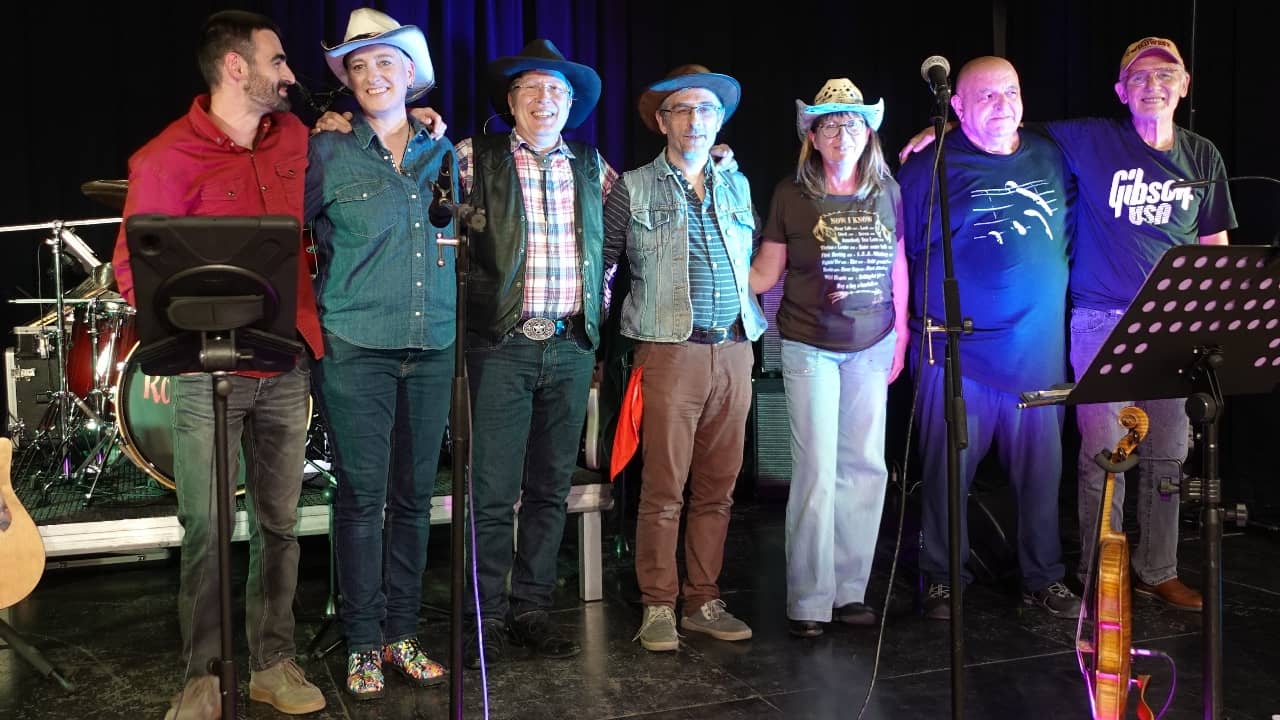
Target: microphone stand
(465, 218)
(957, 426)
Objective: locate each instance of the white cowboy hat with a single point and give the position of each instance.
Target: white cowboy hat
(838, 95)
(367, 26)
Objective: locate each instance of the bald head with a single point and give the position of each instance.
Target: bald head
(988, 102)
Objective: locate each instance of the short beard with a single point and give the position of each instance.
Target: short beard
(266, 93)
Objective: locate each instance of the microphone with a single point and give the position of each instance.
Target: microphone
(442, 208)
(935, 70)
(1206, 182)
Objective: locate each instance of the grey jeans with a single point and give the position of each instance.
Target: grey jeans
(268, 419)
(1162, 453)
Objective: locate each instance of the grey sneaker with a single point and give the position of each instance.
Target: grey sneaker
(658, 631)
(717, 622)
(1056, 598)
(285, 687)
(937, 606)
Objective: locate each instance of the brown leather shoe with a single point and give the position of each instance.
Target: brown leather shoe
(1171, 592)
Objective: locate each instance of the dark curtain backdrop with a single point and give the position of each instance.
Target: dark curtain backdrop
(89, 83)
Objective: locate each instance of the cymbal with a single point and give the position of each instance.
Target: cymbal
(108, 192)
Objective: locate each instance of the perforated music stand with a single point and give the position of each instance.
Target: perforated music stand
(216, 295)
(1205, 324)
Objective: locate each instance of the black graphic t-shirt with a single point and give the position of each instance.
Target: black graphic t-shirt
(1130, 211)
(1010, 231)
(838, 294)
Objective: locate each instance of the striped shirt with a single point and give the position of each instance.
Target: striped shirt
(712, 288)
(553, 272)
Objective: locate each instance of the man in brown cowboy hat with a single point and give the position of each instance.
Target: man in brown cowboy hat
(533, 326)
(687, 226)
(196, 166)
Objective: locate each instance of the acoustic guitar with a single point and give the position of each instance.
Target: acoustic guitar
(1112, 628)
(21, 549)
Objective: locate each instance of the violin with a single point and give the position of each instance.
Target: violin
(1112, 631)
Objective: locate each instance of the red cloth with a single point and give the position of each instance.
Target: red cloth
(193, 168)
(626, 436)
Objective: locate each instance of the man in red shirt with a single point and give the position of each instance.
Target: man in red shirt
(237, 151)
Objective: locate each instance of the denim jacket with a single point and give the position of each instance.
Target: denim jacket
(658, 308)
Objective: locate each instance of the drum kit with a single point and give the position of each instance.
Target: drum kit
(79, 404)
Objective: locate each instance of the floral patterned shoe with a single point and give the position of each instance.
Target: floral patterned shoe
(407, 657)
(364, 675)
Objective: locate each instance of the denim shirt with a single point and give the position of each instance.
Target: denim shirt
(658, 307)
(378, 285)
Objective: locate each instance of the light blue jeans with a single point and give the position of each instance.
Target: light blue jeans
(836, 402)
(1162, 453)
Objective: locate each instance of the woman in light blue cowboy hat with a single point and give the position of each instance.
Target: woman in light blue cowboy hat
(387, 310)
(834, 228)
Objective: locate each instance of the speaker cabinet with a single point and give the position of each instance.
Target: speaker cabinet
(771, 436)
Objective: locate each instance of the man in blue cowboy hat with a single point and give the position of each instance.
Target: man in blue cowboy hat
(387, 309)
(687, 227)
(533, 327)
(197, 166)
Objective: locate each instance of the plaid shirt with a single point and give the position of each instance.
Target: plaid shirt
(553, 277)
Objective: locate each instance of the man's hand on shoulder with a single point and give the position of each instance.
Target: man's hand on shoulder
(333, 122)
(429, 117)
(723, 156)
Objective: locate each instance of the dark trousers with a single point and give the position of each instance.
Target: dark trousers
(1028, 444)
(377, 402)
(528, 403)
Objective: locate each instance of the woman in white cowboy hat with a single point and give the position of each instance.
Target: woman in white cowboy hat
(387, 311)
(834, 227)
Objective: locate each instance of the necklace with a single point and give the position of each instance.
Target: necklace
(398, 166)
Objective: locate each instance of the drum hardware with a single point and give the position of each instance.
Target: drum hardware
(59, 429)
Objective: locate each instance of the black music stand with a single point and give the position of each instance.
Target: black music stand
(216, 295)
(1205, 324)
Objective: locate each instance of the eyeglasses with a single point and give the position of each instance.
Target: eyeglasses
(553, 89)
(1164, 76)
(832, 130)
(704, 111)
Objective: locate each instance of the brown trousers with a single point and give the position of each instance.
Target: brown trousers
(696, 400)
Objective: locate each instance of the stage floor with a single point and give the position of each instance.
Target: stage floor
(113, 631)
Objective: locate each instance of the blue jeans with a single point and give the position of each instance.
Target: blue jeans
(268, 419)
(386, 410)
(1028, 444)
(528, 403)
(836, 402)
(1162, 453)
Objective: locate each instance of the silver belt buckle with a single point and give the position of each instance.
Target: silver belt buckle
(538, 328)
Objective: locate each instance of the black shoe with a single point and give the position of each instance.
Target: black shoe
(855, 613)
(536, 630)
(804, 628)
(937, 606)
(495, 644)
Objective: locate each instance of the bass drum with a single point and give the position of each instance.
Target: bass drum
(144, 414)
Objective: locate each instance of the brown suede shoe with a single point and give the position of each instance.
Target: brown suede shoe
(285, 687)
(1171, 592)
(198, 700)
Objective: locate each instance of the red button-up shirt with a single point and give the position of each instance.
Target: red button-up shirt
(193, 168)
